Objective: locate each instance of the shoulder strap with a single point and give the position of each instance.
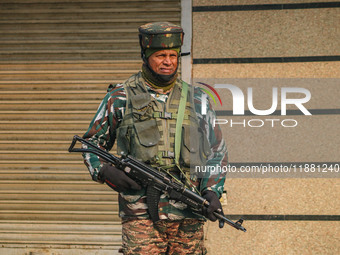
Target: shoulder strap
(178, 134)
(179, 122)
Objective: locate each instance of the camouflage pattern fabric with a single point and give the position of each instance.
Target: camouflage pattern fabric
(165, 237)
(103, 130)
(160, 35)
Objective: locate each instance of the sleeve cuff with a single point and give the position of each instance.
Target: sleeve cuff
(219, 195)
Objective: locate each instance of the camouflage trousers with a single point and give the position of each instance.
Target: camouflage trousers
(142, 236)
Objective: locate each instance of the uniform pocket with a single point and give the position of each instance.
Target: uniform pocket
(147, 132)
(195, 146)
(141, 106)
(123, 140)
(145, 138)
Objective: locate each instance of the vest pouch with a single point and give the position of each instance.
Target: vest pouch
(144, 140)
(123, 140)
(141, 105)
(194, 150)
(205, 149)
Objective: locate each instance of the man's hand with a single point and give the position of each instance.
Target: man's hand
(214, 205)
(117, 179)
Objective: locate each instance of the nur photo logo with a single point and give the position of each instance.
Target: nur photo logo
(204, 99)
(239, 100)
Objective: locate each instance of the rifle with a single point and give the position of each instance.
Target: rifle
(155, 182)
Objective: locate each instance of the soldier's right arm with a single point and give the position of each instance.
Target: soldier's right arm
(102, 129)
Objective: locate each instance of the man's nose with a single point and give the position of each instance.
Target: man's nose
(167, 60)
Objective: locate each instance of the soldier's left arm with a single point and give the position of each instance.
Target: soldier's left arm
(213, 180)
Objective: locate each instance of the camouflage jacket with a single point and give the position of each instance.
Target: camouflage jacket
(102, 132)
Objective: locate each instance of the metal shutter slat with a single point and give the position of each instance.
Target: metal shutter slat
(56, 60)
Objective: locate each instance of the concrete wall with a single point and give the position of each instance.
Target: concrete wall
(269, 45)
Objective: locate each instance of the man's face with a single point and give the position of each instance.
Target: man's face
(163, 62)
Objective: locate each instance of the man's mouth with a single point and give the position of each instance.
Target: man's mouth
(166, 70)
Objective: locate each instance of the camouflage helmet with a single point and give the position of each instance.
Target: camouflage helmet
(160, 35)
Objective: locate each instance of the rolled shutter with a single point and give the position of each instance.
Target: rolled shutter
(56, 60)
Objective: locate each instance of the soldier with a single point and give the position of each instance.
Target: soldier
(147, 119)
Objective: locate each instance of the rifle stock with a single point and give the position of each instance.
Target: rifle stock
(154, 181)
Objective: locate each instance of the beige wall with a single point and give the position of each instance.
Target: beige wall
(263, 34)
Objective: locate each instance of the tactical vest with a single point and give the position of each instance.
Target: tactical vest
(147, 130)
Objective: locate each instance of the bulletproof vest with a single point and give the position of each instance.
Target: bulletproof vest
(147, 130)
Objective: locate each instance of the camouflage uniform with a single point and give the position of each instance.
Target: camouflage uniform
(185, 237)
(180, 230)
